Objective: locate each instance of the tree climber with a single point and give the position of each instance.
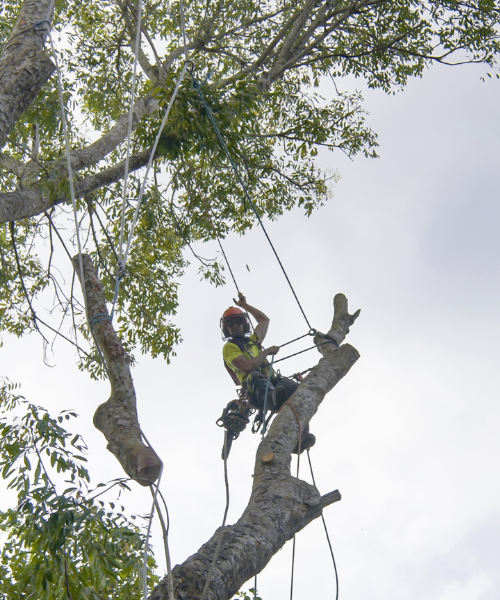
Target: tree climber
(246, 361)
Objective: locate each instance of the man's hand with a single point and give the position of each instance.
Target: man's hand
(272, 350)
(241, 302)
(258, 315)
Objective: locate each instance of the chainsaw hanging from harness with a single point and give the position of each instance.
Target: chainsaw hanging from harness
(234, 418)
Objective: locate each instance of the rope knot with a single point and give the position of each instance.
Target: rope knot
(120, 271)
(98, 318)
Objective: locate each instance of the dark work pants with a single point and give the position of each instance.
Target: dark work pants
(255, 386)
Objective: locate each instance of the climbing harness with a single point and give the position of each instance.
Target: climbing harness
(260, 419)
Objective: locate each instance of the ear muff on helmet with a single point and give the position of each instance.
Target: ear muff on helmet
(231, 313)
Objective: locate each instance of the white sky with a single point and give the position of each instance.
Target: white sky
(410, 436)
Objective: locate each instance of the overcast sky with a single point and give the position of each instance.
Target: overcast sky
(410, 437)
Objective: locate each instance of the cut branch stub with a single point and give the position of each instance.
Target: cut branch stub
(116, 418)
(342, 320)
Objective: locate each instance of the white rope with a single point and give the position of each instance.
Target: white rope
(151, 157)
(77, 229)
(130, 120)
(72, 191)
(183, 27)
(123, 260)
(219, 542)
(68, 159)
(170, 581)
(146, 549)
(124, 256)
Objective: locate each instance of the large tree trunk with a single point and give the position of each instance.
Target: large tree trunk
(280, 505)
(25, 67)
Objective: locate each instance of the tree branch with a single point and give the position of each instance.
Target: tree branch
(26, 203)
(117, 418)
(11, 164)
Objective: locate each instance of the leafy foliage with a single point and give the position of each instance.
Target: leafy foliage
(60, 543)
(250, 595)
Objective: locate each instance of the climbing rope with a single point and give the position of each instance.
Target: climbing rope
(197, 85)
(297, 475)
(146, 542)
(129, 130)
(326, 532)
(329, 341)
(99, 317)
(229, 267)
(71, 184)
(165, 528)
(219, 542)
(264, 410)
(170, 584)
(123, 258)
(183, 28)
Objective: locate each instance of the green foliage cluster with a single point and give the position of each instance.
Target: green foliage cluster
(60, 543)
(250, 595)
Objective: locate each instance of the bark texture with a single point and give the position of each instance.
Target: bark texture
(117, 418)
(25, 67)
(280, 504)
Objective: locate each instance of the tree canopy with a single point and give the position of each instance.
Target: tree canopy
(260, 66)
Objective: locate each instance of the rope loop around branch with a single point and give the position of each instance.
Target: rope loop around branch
(327, 337)
(37, 27)
(98, 318)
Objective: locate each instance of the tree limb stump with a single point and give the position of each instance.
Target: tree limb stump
(117, 418)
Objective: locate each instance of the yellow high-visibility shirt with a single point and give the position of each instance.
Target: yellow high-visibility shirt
(232, 351)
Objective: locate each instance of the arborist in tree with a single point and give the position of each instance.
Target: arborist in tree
(246, 361)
